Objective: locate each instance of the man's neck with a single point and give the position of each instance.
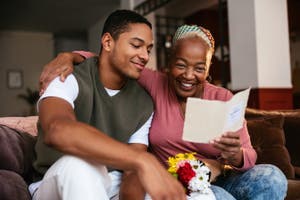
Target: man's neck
(109, 77)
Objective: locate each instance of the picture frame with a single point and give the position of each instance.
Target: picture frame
(14, 79)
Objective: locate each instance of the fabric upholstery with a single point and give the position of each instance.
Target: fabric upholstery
(12, 186)
(16, 151)
(292, 132)
(293, 190)
(24, 124)
(291, 128)
(267, 137)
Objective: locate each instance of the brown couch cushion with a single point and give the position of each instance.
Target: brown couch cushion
(267, 138)
(13, 186)
(292, 134)
(291, 128)
(16, 151)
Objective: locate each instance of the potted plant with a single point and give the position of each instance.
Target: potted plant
(31, 97)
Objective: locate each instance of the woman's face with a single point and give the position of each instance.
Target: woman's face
(189, 67)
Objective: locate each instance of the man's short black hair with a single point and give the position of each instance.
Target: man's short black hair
(117, 22)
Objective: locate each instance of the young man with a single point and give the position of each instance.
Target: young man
(87, 120)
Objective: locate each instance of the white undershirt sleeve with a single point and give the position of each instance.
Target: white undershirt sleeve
(141, 136)
(67, 90)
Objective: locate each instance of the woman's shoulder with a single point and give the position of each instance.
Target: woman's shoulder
(153, 73)
(214, 92)
(155, 82)
(154, 76)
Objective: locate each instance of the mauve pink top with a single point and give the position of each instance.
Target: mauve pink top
(166, 130)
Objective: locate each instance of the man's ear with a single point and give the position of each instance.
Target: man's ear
(107, 41)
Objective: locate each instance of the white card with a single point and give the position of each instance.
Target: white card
(208, 119)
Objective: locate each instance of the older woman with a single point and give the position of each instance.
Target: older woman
(188, 70)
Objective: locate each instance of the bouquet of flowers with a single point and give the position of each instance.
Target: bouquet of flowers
(191, 172)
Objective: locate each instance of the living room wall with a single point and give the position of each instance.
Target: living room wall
(26, 52)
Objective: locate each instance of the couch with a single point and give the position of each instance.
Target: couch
(17, 139)
(275, 136)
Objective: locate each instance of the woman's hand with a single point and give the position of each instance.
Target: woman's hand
(230, 146)
(60, 66)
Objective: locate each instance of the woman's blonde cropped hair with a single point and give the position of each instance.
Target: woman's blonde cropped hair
(188, 31)
(185, 31)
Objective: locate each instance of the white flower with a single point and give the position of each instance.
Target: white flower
(199, 183)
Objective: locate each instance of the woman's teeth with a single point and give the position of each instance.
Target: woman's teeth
(187, 84)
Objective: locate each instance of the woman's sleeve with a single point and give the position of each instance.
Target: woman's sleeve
(249, 154)
(85, 54)
(148, 79)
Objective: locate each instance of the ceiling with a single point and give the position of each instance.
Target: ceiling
(53, 15)
(71, 16)
(180, 9)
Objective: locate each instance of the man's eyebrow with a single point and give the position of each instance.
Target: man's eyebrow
(142, 41)
(139, 39)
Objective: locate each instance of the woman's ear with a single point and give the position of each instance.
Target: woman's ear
(106, 41)
(209, 78)
(166, 70)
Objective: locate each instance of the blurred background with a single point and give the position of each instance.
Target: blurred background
(257, 43)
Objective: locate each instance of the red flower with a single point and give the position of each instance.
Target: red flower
(185, 173)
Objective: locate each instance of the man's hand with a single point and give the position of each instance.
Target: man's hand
(157, 182)
(61, 66)
(230, 146)
(131, 187)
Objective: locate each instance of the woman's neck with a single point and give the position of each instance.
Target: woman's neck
(182, 100)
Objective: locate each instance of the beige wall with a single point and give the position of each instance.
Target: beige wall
(259, 44)
(26, 51)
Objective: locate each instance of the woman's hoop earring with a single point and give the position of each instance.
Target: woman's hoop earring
(209, 78)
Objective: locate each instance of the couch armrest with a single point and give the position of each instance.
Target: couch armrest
(297, 172)
(293, 190)
(23, 124)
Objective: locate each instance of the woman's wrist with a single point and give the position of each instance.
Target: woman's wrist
(84, 55)
(238, 160)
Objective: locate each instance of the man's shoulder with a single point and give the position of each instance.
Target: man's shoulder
(87, 65)
(86, 72)
(137, 93)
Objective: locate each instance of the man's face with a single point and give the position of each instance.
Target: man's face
(130, 52)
